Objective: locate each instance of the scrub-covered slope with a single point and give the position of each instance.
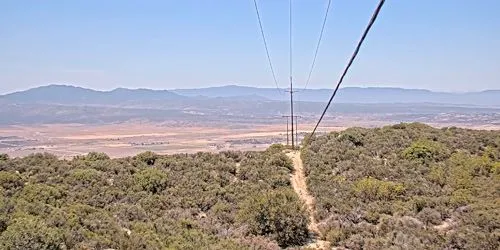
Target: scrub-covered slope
(406, 186)
(231, 200)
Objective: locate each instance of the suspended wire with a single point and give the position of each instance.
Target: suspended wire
(356, 51)
(291, 72)
(318, 44)
(291, 48)
(265, 45)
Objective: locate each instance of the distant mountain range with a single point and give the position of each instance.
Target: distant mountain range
(236, 104)
(70, 95)
(354, 95)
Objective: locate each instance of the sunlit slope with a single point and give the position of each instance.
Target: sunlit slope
(407, 186)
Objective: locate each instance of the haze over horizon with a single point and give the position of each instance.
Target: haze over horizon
(226, 86)
(195, 44)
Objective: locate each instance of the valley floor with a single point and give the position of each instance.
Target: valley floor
(131, 138)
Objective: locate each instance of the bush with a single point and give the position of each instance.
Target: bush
(152, 180)
(147, 157)
(437, 175)
(276, 148)
(278, 214)
(373, 189)
(42, 193)
(281, 160)
(424, 150)
(9, 180)
(30, 233)
(429, 216)
(85, 177)
(4, 157)
(94, 156)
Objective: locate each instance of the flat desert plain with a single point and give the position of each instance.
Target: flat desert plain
(131, 138)
(127, 139)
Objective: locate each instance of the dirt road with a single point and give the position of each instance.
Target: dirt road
(299, 184)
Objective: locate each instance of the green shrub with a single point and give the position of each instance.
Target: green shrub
(9, 180)
(460, 197)
(152, 180)
(4, 157)
(86, 177)
(147, 157)
(424, 150)
(280, 160)
(42, 193)
(95, 156)
(275, 148)
(429, 216)
(437, 175)
(278, 214)
(372, 189)
(335, 236)
(30, 233)
(353, 136)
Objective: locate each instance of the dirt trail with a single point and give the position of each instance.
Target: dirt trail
(298, 180)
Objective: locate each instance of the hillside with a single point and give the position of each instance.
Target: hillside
(407, 186)
(231, 200)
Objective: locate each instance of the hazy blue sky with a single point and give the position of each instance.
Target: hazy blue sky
(450, 45)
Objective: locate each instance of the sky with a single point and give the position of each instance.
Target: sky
(444, 45)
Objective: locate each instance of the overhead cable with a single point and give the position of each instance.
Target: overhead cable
(356, 51)
(318, 44)
(265, 45)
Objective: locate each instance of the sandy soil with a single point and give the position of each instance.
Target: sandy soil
(128, 139)
(298, 180)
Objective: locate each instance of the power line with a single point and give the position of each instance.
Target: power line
(265, 45)
(291, 72)
(356, 51)
(290, 40)
(318, 44)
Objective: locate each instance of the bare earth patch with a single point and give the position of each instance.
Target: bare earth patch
(299, 184)
(131, 138)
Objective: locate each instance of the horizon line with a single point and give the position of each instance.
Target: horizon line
(243, 86)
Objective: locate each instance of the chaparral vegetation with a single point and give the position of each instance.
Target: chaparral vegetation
(407, 186)
(230, 200)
